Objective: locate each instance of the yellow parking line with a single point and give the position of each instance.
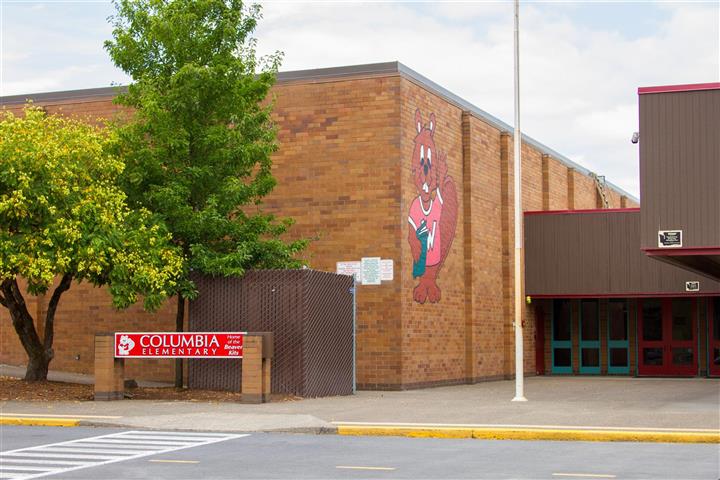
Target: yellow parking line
(518, 426)
(50, 415)
(39, 422)
(533, 434)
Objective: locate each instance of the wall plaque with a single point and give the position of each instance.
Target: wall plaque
(669, 238)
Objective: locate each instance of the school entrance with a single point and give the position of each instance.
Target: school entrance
(667, 334)
(650, 336)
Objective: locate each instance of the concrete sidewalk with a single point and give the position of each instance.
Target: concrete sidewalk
(560, 403)
(557, 401)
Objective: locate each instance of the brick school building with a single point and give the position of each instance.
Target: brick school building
(376, 161)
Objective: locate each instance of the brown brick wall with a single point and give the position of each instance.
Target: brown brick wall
(486, 314)
(631, 203)
(613, 198)
(586, 196)
(558, 185)
(338, 173)
(343, 172)
(433, 340)
(83, 311)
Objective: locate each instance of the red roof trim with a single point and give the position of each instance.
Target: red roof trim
(624, 295)
(679, 88)
(679, 252)
(590, 210)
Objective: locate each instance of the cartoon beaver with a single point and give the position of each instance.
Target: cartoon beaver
(433, 214)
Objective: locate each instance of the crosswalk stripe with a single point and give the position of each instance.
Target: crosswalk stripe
(93, 450)
(42, 454)
(116, 441)
(168, 438)
(4, 468)
(126, 446)
(48, 462)
(100, 450)
(184, 434)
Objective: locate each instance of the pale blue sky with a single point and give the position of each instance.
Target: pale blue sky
(581, 61)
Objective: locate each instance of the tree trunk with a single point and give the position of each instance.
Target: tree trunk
(37, 368)
(179, 324)
(39, 353)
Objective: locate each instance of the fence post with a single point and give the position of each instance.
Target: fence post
(109, 371)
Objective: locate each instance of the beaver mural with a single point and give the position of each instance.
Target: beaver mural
(433, 213)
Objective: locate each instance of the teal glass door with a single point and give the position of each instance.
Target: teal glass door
(561, 340)
(618, 348)
(589, 337)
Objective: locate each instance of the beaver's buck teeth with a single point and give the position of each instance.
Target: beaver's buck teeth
(426, 189)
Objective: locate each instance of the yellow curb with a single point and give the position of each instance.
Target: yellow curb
(534, 434)
(39, 421)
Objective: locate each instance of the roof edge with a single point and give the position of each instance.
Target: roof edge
(500, 125)
(61, 95)
(692, 87)
(581, 211)
(383, 68)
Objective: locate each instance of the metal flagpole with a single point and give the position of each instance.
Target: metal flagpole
(519, 380)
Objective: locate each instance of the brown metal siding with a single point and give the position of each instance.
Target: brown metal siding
(597, 254)
(680, 166)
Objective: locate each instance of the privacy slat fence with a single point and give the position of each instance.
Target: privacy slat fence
(310, 314)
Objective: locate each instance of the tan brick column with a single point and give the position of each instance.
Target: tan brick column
(545, 181)
(267, 364)
(256, 367)
(109, 371)
(570, 188)
(252, 369)
(468, 247)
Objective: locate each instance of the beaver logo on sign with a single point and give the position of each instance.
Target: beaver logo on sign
(433, 213)
(125, 345)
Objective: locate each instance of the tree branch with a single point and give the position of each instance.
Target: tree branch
(52, 307)
(22, 320)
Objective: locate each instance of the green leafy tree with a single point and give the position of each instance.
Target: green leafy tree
(199, 144)
(63, 216)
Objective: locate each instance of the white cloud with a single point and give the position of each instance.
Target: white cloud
(581, 66)
(58, 79)
(579, 82)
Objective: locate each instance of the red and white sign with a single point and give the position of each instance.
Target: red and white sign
(179, 345)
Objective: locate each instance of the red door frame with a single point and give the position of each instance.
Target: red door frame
(539, 341)
(667, 343)
(713, 370)
(642, 344)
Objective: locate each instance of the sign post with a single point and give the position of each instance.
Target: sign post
(256, 350)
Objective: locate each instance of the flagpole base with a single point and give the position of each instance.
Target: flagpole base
(519, 399)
